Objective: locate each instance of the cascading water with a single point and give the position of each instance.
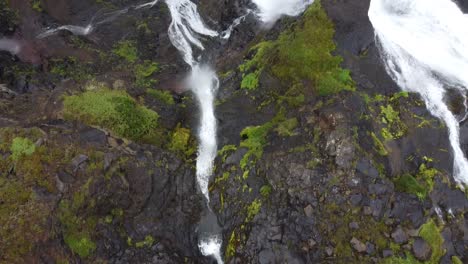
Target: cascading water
(203, 82)
(271, 10)
(424, 44)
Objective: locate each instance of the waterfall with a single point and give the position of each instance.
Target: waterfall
(424, 45)
(184, 30)
(271, 10)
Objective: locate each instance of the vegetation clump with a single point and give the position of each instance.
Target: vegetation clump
(303, 53)
(143, 73)
(391, 118)
(114, 110)
(162, 96)
(126, 50)
(421, 184)
(181, 141)
(21, 147)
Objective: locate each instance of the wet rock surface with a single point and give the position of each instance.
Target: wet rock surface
(329, 189)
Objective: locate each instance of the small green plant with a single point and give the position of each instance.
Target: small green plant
(254, 139)
(36, 5)
(148, 242)
(127, 50)
(250, 81)
(379, 146)
(253, 209)
(21, 147)
(143, 73)
(265, 191)
(286, 128)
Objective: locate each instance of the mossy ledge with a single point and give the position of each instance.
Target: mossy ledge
(116, 111)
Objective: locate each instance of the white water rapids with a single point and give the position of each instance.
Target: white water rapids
(424, 44)
(272, 10)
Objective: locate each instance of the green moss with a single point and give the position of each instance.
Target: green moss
(409, 184)
(162, 96)
(304, 52)
(286, 128)
(456, 260)
(116, 111)
(265, 191)
(253, 209)
(148, 242)
(431, 234)
(36, 5)
(250, 81)
(232, 245)
(8, 17)
(254, 139)
(420, 185)
(71, 67)
(395, 127)
(127, 50)
(409, 259)
(143, 73)
(77, 231)
(22, 220)
(21, 147)
(379, 146)
(181, 143)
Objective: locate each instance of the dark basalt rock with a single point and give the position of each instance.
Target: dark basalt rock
(421, 249)
(321, 195)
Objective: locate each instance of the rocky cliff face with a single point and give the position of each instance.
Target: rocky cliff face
(321, 158)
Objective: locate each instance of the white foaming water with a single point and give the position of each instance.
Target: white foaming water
(424, 44)
(204, 84)
(75, 30)
(271, 10)
(10, 45)
(184, 31)
(211, 246)
(186, 23)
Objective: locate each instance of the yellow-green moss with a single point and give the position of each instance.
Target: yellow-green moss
(143, 73)
(21, 147)
(148, 242)
(162, 96)
(116, 111)
(303, 52)
(181, 141)
(127, 50)
(430, 232)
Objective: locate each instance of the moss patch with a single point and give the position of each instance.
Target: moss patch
(303, 52)
(162, 96)
(143, 73)
(431, 234)
(181, 142)
(21, 146)
(116, 111)
(126, 50)
(407, 183)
